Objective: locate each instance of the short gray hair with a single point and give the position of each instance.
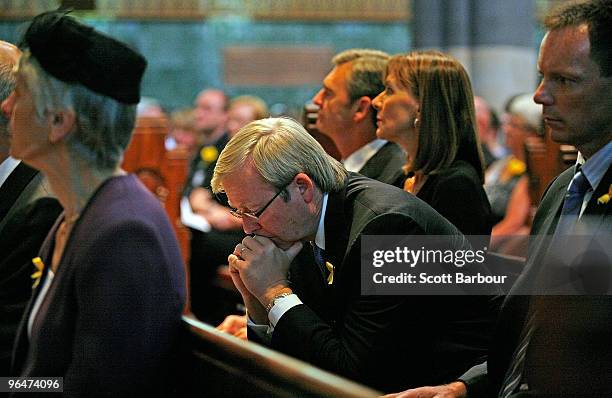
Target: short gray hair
(279, 148)
(103, 125)
(7, 85)
(367, 70)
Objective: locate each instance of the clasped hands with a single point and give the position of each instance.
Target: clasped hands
(259, 271)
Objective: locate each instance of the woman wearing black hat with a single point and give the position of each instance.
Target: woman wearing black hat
(105, 314)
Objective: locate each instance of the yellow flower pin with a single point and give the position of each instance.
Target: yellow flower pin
(40, 266)
(605, 198)
(209, 153)
(330, 268)
(516, 167)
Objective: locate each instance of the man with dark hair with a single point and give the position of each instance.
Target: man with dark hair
(27, 212)
(560, 346)
(346, 115)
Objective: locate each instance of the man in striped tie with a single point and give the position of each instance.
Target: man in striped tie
(559, 346)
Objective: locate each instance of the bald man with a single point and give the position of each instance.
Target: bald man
(27, 212)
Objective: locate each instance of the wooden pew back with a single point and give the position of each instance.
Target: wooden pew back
(219, 365)
(163, 172)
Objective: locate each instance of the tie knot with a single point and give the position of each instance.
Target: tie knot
(318, 255)
(579, 184)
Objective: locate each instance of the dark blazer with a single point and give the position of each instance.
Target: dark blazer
(387, 342)
(110, 320)
(457, 193)
(27, 213)
(198, 165)
(208, 250)
(571, 350)
(386, 165)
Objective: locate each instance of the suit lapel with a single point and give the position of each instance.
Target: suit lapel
(20, 350)
(336, 229)
(13, 186)
(595, 210)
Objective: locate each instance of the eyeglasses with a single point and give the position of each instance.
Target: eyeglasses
(255, 216)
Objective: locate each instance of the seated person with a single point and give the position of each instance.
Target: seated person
(289, 192)
(507, 182)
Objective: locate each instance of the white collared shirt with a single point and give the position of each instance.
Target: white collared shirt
(356, 160)
(7, 167)
(594, 170)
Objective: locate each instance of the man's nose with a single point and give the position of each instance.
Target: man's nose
(542, 95)
(249, 226)
(317, 99)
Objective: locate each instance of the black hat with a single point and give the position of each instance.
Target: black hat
(76, 53)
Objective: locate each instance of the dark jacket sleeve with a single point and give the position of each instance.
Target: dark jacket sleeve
(20, 240)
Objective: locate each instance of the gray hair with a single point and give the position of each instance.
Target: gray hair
(279, 148)
(7, 85)
(103, 125)
(367, 69)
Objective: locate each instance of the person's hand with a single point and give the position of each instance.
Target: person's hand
(263, 267)
(236, 325)
(452, 390)
(256, 311)
(200, 200)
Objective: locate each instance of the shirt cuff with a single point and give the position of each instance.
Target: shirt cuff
(281, 306)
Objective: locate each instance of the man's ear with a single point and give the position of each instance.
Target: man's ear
(61, 123)
(362, 109)
(306, 186)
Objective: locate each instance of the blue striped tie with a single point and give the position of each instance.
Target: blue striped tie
(567, 221)
(514, 374)
(572, 204)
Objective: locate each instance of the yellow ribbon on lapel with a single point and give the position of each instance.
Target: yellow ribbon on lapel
(605, 198)
(330, 268)
(40, 266)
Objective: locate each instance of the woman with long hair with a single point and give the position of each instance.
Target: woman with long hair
(427, 108)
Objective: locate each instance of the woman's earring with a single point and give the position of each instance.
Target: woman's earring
(416, 123)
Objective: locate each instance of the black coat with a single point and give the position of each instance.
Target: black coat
(570, 353)
(457, 193)
(27, 213)
(387, 342)
(386, 165)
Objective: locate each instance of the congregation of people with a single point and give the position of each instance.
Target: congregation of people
(93, 282)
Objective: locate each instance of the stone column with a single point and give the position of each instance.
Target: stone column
(494, 39)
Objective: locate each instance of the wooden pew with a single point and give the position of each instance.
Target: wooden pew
(216, 364)
(163, 172)
(545, 160)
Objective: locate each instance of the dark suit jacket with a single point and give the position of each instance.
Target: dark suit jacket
(27, 212)
(570, 354)
(387, 342)
(457, 193)
(197, 164)
(109, 322)
(386, 165)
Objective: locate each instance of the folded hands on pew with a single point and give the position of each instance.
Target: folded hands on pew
(452, 390)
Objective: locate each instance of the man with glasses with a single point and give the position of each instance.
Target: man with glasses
(299, 270)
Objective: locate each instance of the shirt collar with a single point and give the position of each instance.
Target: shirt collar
(597, 165)
(320, 236)
(7, 167)
(356, 160)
